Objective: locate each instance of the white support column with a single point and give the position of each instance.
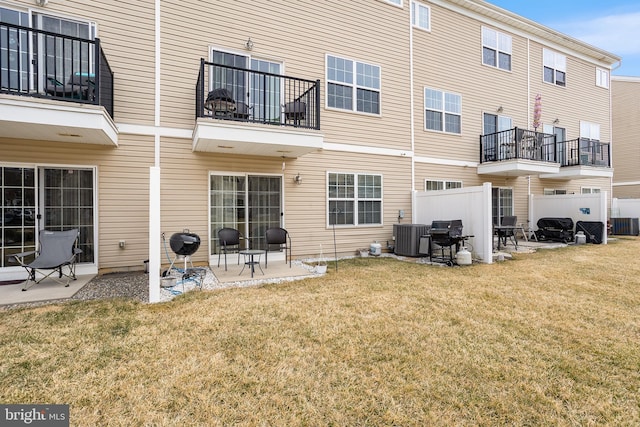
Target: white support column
(154, 234)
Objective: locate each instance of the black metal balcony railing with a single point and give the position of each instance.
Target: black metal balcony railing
(585, 152)
(43, 64)
(519, 143)
(244, 95)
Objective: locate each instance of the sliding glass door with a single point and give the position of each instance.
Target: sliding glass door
(249, 203)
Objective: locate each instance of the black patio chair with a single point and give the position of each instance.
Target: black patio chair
(229, 240)
(58, 249)
(508, 233)
(277, 236)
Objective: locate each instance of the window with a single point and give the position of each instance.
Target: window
(493, 123)
(555, 67)
(442, 111)
(602, 78)
(561, 149)
(553, 192)
(439, 184)
(395, 2)
(354, 199)
(353, 85)
(589, 190)
(496, 49)
(590, 131)
(420, 16)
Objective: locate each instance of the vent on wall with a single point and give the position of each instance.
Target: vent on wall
(408, 238)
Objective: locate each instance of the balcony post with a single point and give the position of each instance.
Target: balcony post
(96, 72)
(317, 104)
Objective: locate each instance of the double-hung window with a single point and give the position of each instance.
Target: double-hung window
(555, 67)
(353, 85)
(354, 199)
(440, 184)
(496, 49)
(420, 16)
(443, 111)
(602, 78)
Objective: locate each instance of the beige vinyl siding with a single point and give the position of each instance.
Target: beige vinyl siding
(449, 58)
(299, 34)
(185, 178)
(580, 100)
(627, 192)
(626, 133)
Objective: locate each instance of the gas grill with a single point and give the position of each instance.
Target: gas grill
(445, 237)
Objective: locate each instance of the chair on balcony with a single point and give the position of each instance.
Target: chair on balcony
(242, 112)
(296, 111)
(220, 102)
(78, 86)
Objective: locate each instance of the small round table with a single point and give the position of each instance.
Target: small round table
(249, 259)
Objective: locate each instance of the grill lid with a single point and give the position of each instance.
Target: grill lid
(184, 243)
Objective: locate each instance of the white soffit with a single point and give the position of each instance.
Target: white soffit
(213, 136)
(47, 120)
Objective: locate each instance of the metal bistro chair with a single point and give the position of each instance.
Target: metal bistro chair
(277, 236)
(58, 249)
(510, 221)
(229, 239)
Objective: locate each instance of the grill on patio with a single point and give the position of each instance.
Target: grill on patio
(555, 229)
(184, 244)
(445, 235)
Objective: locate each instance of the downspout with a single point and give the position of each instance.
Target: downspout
(154, 177)
(412, 121)
(528, 116)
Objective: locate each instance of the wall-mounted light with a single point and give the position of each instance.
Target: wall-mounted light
(297, 179)
(556, 121)
(500, 109)
(42, 3)
(249, 44)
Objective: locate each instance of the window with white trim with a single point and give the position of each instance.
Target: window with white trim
(354, 199)
(420, 16)
(555, 67)
(496, 49)
(602, 78)
(443, 111)
(554, 191)
(440, 184)
(589, 190)
(395, 2)
(353, 85)
(590, 130)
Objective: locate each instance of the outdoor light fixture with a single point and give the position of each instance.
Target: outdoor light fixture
(42, 3)
(297, 179)
(500, 109)
(249, 44)
(556, 121)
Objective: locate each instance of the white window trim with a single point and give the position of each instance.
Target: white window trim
(396, 3)
(443, 111)
(415, 8)
(497, 49)
(355, 200)
(554, 191)
(354, 86)
(501, 119)
(590, 130)
(591, 190)
(444, 183)
(559, 64)
(602, 78)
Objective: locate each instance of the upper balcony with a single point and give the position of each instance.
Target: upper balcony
(244, 111)
(517, 152)
(54, 87)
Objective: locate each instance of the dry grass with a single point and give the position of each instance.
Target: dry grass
(550, 338)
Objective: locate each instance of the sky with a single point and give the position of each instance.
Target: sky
(612, 25)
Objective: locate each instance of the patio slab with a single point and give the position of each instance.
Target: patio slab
(46, 290)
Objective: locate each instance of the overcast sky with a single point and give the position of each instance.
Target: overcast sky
(612, 25)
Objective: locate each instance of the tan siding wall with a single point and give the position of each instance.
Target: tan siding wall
(185, 178)
(299, 34)
(626, 132)
(126, 32)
